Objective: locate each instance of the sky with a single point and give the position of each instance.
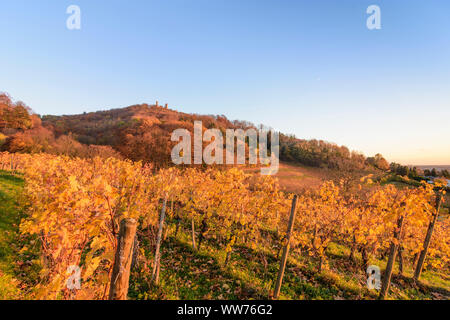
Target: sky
(309, 68)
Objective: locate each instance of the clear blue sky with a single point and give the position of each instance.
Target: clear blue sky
(310, 68)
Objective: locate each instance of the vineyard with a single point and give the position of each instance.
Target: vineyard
(219, 234)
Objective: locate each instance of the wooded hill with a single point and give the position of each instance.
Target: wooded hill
(142, 132)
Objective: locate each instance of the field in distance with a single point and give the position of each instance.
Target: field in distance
(296, 177)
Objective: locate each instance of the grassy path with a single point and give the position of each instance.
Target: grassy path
(10, 215)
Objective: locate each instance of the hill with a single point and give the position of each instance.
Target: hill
(138, 132)
(129, 129)
(142, 132)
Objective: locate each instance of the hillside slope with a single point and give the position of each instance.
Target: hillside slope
(142, 132)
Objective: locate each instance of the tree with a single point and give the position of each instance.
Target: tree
(445, 173)
(434, 172)
(378, 161)
(14, 115)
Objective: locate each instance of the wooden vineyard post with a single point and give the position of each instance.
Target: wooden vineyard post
(426, 243)
(283, 261)
(156, 264)
(193, 234)
(400, 260)
(122, 263)
(392, 254)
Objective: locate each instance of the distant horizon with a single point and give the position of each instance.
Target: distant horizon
(437, 167)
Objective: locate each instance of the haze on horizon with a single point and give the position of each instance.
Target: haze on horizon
(310, 68)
